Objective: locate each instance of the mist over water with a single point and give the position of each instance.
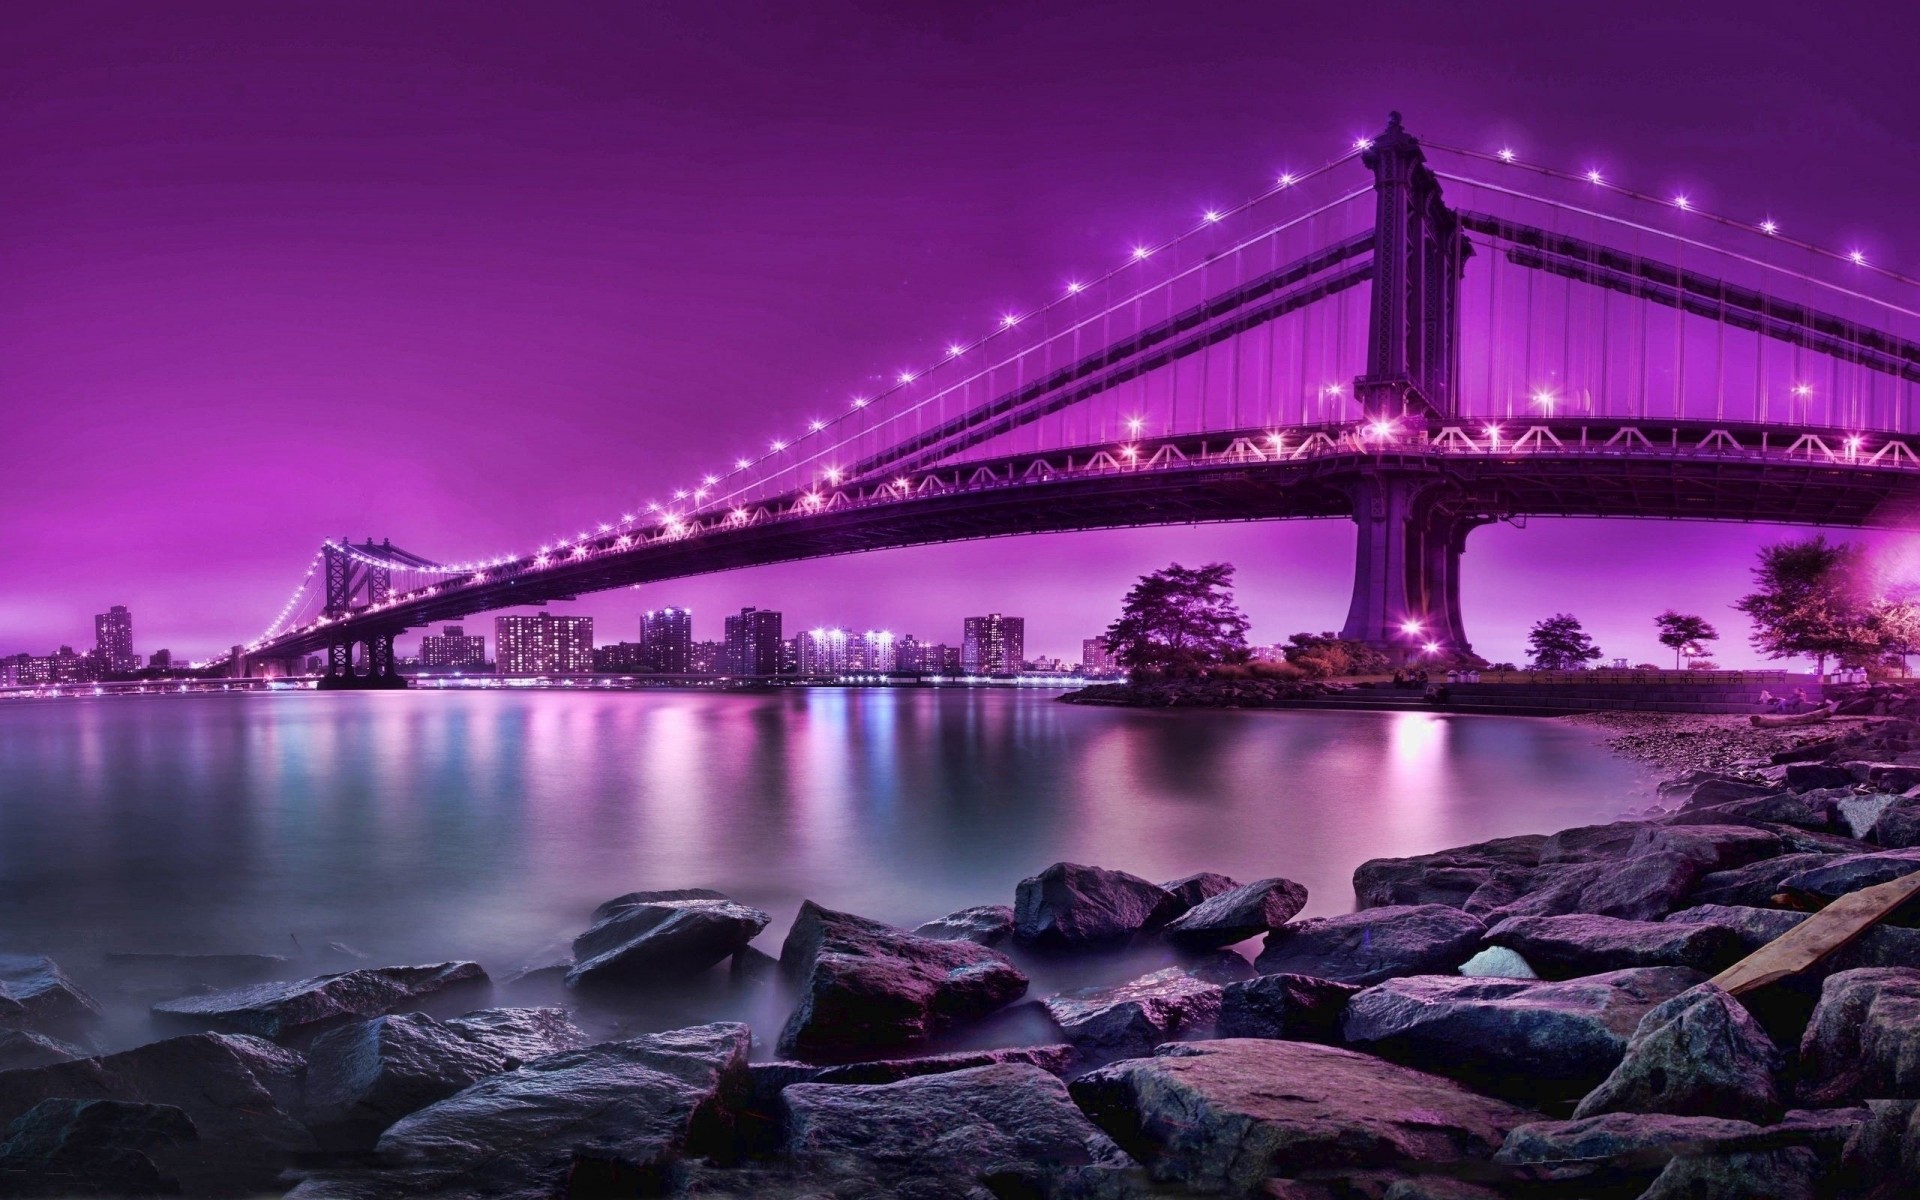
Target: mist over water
(427, 826)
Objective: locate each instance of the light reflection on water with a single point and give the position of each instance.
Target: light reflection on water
(424, 826)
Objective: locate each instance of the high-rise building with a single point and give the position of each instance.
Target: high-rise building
(908, 653)
(993, 644)
(453, 650)
(620, 656)
(543, 644)
(667, 636)
(753, 642)
(875, 651)
(1094, 655)
(160, 660)
(790, 654)
(113, 640)
(824, 652)
(708, 657)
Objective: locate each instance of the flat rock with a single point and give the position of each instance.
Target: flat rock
(1223, 1116)
(867, 987)
(654, 936)
(238, 1091)
(1199, 887)
(1782, 808)
(1298, 1008)
(1373, 944)
(1756, 884)
(1863, 1039)
(1533, 1042)
(1631, 1144)
(1806, 776)
(1448, 877)
(1699, 1054)
(1898, 827)
(24, 1048)
(1642, 887)
(771, 1078)
(35, 991)
(522, 1034)
(1073, 907)
(303, 1006)
(1830, 881)
(92, 1148)
(566, 1119)
(985, 924)
(1132, 1018)
(946, 1135)
(1234, 916)
(1566, 947)
(1724, 790)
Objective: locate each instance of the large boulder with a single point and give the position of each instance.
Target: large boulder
(633, 1109)
(954, 1134)
(304, 1006)
(25, 1048)
(1898, 826)
(1223, 1116)
(93, 1148)
(1832, 880)
(986, 924)
(1620, 1154)
(1806, 776)
(363, 1077)
(1132, 1018)
(238, 1091)
(1073, 907)
(1642, 887)
(1880, 946)
(1190, 891)
(867, 987)
(1528, 1041)
(1864, 1037)
(1373, 944)
(1724, 789)
(1298, 1008)
(1234, 916)
(1788, 809)
(1570, 946)
(1712, 847)
(652, 936)
(1449, 877)
(1755, 884)
(34, 991)
(1699, 1054)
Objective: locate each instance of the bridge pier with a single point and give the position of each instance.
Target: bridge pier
(381, 662)
(1406, 581)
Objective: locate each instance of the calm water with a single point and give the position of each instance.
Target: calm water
(420, 827)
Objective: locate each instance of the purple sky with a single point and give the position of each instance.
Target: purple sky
(466, 275)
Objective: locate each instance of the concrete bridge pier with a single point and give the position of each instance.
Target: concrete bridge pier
(1406, 582)
(378, 670)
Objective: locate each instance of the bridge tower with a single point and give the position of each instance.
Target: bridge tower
(356, 580)
(1412, 522)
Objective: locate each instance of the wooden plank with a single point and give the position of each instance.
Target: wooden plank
(1821, 934)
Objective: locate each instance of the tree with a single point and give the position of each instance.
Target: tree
(1896, 626)
(1179, 621)
(1327, 655)
(1683, 632)
(1560, 644)
(1811, 598)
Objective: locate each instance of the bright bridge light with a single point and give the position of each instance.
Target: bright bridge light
(1074, 289)
(1213, 215)
(1363, 143)
(1432, 647)
(1769, 227)
(816, 426)
(1506, 155)
(1140, 252)
(1593, 177)
(1134, 424)
(1410, 626)
(1381, 429)
(1286, 179)
(956, 350)
(741, 464)
(1858, 258)
(1682, 202)
(906, 377)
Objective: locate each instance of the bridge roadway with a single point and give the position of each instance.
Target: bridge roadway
(1438, 481)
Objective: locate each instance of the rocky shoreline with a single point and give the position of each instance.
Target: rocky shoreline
(1200, 693)
(1525, 1018)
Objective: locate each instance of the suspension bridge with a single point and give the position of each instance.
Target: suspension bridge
(1418, 338)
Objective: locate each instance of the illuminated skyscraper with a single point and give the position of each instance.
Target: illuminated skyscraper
(113, 640)
(876, 652)
(993, 644)
(753, 642)
(1094, 655)
(666, 635)
(824, 652)
(543, 644)
(453, 650)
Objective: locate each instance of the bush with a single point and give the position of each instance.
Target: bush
(1648, 667)
(1282, 671)
(1702, 664)
(1327, 656)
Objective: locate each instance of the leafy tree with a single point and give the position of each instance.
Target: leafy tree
(1811, 598)
(1179, 621)
(1560, 644)
(1896, 626)
(1684, 633)
(1327, 655)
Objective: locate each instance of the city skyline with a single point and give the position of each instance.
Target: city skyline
(380, 282)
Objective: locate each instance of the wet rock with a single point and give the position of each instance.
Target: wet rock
(1876, 1161)
(1196, 889)
(985, 924)
(238, 1091)
(1754, 885)
(1787, 1174)
(952, 1134)
(1498, 962)
(1832, 880)
(769, 1079)
(1133, 1017)
(1618, 1153)
(1373, 944)
(24, 1048)
(1880, 946)
(1217, 966)
(1297, 1008)
(1864, 1037)
(1641, 888)
(35, 991)
(303, 1006)
(750, 967)
(1857, 814)
(867, 987)
(1234, 916)
(628, 1111)
(1699, 1054)
(1567, 947)
(1222, 1116)
(1898, 828)
(1806, 776)
(1073, 907)
(363, 1077)
(1724, 789)
(1448, 877)
(92, 1148)
(1711, 847)
(1783, 808)
(1533, 1042)
(655, 936)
